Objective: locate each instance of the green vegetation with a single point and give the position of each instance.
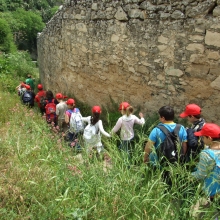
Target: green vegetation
(20, 21)
(42, 178)
(14, 68)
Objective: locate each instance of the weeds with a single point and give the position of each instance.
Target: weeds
(42, 178)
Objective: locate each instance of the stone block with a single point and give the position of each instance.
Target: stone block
(216, 11)
(198, 70)
(212, 39)
(81, 27)
(163, 40)
(216, 83)
(213, 55)
(174, 72)
(95, 6)
(142, 69)
(135, 13)
(121, 15)
(114, 38)
(198, 58)
(177, 15)
(195, 47)
(196, 38)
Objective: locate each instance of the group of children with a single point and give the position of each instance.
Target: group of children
(201, 141)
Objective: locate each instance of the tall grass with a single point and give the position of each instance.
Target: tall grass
(42, 178)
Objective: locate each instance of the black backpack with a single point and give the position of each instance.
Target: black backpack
(194, 143)
(168, 149)
(27, 97)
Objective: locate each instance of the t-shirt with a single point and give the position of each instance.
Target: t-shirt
(38, 97)
(126, 124)
(30, 82)
(157, 136)
(61, 109)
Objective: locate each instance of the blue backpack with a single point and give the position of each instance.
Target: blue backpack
(212, 181)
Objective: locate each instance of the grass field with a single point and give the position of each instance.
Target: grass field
(42, 178)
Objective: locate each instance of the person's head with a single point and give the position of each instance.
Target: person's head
(70, 103)
(210, 132)
(192, 112)
(29, 76)
(125, 108)
(28, 87)
(166, 113)
(96, 111)
(40, 87)
(23, 85)
(49, 94)
(59, 97)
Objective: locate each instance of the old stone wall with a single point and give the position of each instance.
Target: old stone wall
(150, 53)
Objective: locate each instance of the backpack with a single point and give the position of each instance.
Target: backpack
(211, 183)
(43, 101)
(76, 123)
(194, 143)
(27, 97)
(50, 109)
(168, 149)
(91, 134)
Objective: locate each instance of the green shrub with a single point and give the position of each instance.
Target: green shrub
(14, 68)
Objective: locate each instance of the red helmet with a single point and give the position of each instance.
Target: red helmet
(40, 86)
(123, 106)
(27, 87)
(59, 96)
(70, 102)
(96, 109)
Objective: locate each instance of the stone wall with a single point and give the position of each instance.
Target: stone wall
(150, 53)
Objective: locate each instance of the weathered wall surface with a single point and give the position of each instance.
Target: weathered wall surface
(150, 53)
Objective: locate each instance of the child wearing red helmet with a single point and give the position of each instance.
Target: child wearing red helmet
(60, 111)
(126, 124)
(73, 118)
(194, 144)
(94, 129)
(28, 97)
(208, 168)
(40, 98)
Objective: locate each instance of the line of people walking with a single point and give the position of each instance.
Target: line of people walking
(168, 142)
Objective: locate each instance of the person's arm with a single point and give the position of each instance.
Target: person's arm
(205, 164)
(140, 120)
(147, 150)
(184, 146)
(117, 126)
(86, 119)
(67, 117)
(102, 129)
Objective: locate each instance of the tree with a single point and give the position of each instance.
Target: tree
(29, 24)
(6, 38)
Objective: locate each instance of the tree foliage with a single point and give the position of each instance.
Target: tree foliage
(21, 20)
(6, 39)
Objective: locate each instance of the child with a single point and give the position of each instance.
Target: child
(40, 98)
(50, 108)
(208, 168)
(60, 111)
(28, 97)
(30, 81)
(194, 144)
(126, 124)
(21, 89)
(76, 124)
(92, 131)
